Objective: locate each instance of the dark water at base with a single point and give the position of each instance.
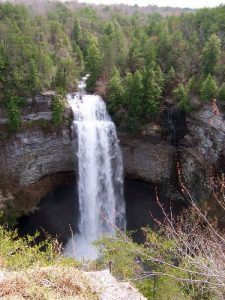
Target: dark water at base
(58, 212)
(56, 215)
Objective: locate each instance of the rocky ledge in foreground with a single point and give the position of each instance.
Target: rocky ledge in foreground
(65, 283)
(110, 289)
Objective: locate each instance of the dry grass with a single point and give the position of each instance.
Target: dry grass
(47, 283)
(14, 286)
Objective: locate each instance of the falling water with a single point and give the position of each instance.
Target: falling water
(100, 168)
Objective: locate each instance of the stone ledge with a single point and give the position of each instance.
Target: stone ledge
(110, 289)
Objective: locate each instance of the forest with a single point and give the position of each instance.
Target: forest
(135, 61)
(138, 61)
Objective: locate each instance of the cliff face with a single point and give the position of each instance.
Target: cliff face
(196, 142)
(146, 160)
(202, 154)
(40, 157)
(32, 160)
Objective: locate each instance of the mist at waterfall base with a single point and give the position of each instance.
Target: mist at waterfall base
(100, 174)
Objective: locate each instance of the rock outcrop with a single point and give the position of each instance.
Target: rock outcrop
(33, 158)
(146, 160)
(202, 153)
(66, 283)
(38, 157)
(110, 289)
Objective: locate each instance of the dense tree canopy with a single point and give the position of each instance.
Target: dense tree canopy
(135, 61)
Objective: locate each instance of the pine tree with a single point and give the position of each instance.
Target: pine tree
(211, 54)
(153, 82)
(14, 114)
(160, 79)
(134, 89)
(181, 97)
(136, 59)
(93, 64)
(79, 57)
(208, 88)
(221, 93)
(34, 76)
(115, 92)
(170, 80)
(76, 33)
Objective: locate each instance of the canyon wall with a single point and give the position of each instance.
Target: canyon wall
(39, 157)
(34, 159)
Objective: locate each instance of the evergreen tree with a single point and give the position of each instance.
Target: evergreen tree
(76, 33)
(152, 93)
(160, 79)
(221, 93)
(170, 80)
(79, 57)
(136, 59)
(134, 87)
(34, 77)
(193, 85)
(211, 54)
(14, 113)
(208, 88)
(181, 97)
(115, 92)
(93, 64)
(113, 46)
(109, 29)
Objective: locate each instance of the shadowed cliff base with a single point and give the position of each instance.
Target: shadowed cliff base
(58, 212)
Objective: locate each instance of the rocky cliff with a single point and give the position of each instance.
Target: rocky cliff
(33, 159)
(40, 157)
(196, 142)
(202, 153)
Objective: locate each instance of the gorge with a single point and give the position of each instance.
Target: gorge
(40, 163)
(137, 145)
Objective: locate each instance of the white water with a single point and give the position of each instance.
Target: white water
(100, 168)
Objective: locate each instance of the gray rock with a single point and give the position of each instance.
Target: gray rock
(205, 154)
(30, 155)
(147, 161)
(33, 153)
(110, 288)
(2, 276)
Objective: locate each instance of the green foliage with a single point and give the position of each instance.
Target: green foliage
(76, 33)
(182, 98)
(93, 64)
(123, 265)
(208, 88)
(114, 48)
(14, 115)
(161, 288)
(79, 57)
(57, 110)
(115, 93)
(170, 80)
(211, 54)
(8, 214)
(221, 93)
(20, 253)
(130, 262)
(134, 90)
(35, 53)
(153, 86)
(51, 50)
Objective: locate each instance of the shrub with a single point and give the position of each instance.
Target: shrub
(57, 110)
(221, 93)
(208, 88)
(182, 98)
(14, 114)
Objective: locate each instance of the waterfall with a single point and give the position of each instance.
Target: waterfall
(100, 173)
